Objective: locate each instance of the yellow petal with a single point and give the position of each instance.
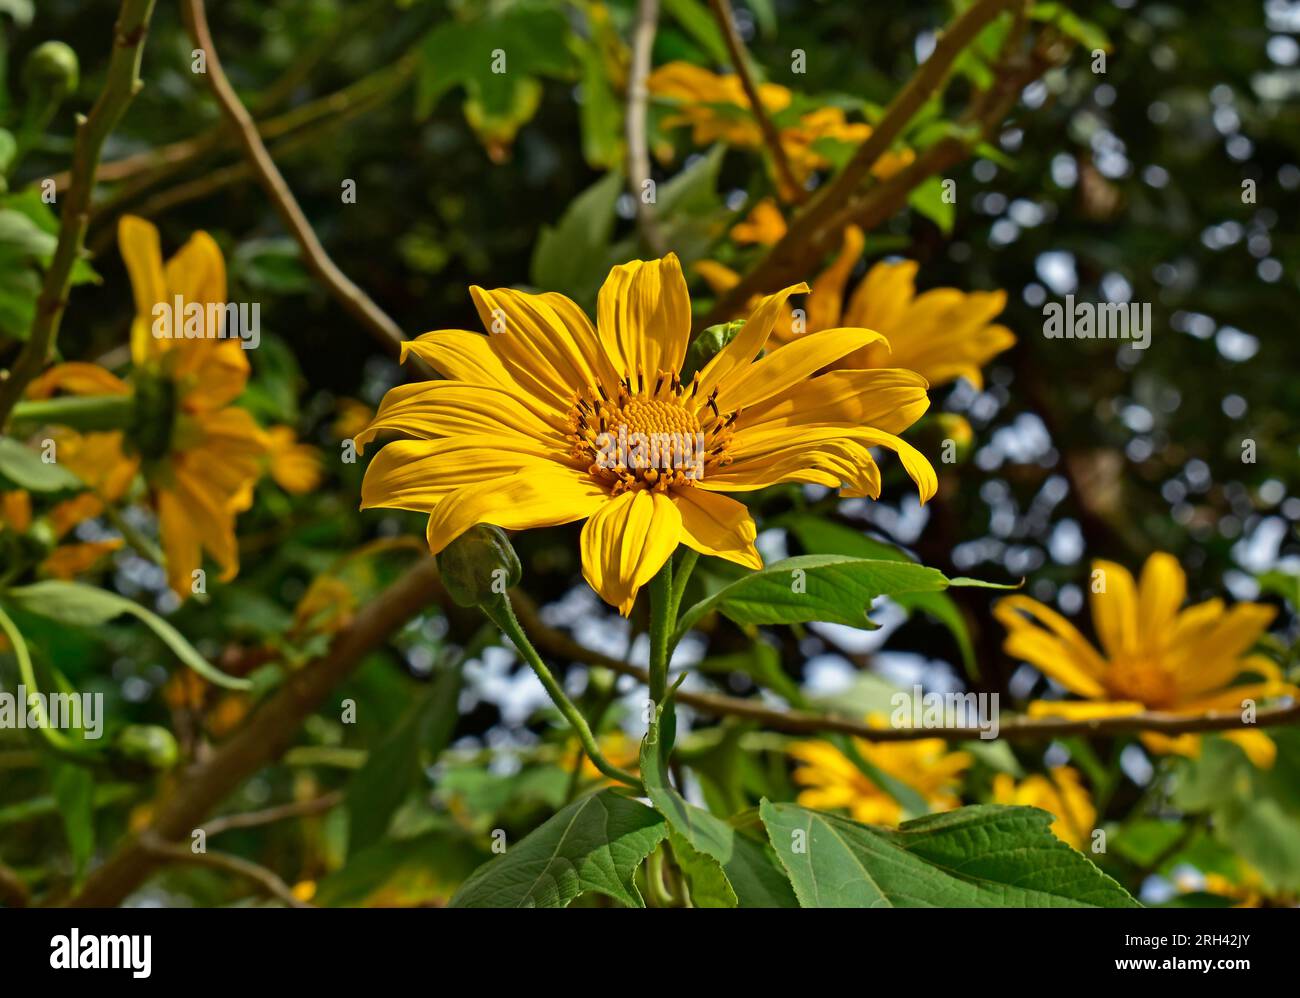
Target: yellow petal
(77, 378)
(1260, 749)
(718, 277)
(791, 364)
(643, 314)
(549, 354)
(419, 474)
(1084, 710)
(733, 358)
(142, 254)
(826, 301)
(534, 498)
(1114, 608)
(714, 525)
(450, 408)
(1161, 591)
(889, 399)
(626, 541)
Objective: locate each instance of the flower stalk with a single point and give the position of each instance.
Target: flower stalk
(501, 613)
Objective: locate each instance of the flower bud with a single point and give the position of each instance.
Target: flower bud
(479, 566)
(707, 344)
(51, 73)
(147, 744)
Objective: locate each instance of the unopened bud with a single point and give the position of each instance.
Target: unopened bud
(479, 566)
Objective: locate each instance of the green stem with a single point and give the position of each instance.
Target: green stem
(661, 627)
(502, 614)
(121, 84)
(681, 576)
(56, 739)
(80, 412)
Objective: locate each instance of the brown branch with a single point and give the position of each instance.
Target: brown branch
(270, 815)
(559, 644)
(13, 892)
(638, 153)
(811, 227)
(227, 863)
(348, 294)
(740, 60)
(121, 85)
(148, 169)
(266, 736)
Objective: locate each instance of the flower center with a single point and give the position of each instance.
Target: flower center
(650, 436)
(1142, 680)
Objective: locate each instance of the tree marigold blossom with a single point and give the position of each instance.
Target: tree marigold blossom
(833, 781)
(1153, 657)
(549, 419)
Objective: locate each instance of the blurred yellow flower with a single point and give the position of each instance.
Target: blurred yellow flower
(208, 453)
(833, 781)
(717, 109)
(1061, 793)
(295, 467)
(551, 420)
(200, 455)
(619, 749)
(1154, 656)
(942, 334)
(351, 417)
(765, 225)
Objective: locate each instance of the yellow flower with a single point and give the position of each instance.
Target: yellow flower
(202, 473)
(16, 510)
(200, 455)
(942, 334)
(834, 782)
(1060, 793)
(1154, 657)
(618, 748)
(714, 106)
(351, 417)
(765, 225)
(717, 109)
(551, 420)
(295, 467)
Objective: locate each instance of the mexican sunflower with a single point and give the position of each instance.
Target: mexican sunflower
(550, 420)
(200, 454)
(1153, 655)
(833, 781)
(942, 334)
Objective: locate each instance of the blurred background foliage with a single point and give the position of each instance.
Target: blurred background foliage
(1125, 185)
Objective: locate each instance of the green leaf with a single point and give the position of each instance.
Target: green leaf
(928, 199)
(379, 787)
(532, 38)
(1086, 33)
(696, 21)
(762, 663)
(826, 587)
(601, 113)
(723, 866)
(573, 256)
(984, 856)
(820, 536)
(74, 792)
(80, 605)
(24, 468)
(594, 844)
